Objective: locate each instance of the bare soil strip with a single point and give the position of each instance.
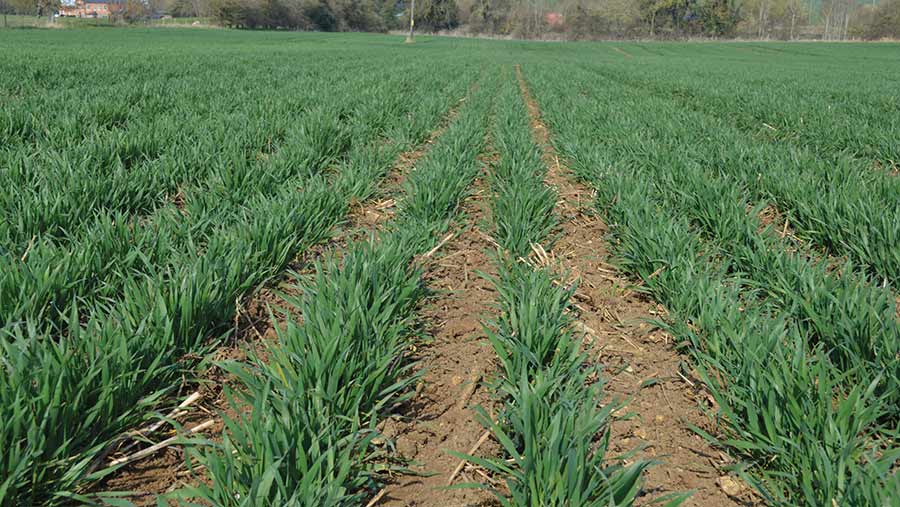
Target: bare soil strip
(642, 365)
(621, 51)
(454, 365)
(165, 471)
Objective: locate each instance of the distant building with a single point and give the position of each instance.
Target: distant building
(554, 19)
(91, 8)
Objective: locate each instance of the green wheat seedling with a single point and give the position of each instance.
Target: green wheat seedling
(785, 348)
(127, 238)
(522, 205)
(318, 393)
(553, 424)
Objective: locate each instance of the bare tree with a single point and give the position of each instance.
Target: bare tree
(537, 11)
(412, 22)
(795, 10)
(47, 8)
(763, 19)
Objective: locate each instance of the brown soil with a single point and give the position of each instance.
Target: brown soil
(774, 224)
(454, 366)
(642, 364)
(165, 470)
(254, 331)
(889, 166)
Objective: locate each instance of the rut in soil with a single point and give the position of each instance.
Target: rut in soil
(641, 363)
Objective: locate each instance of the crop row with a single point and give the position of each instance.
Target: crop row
(117, 247)
(848, 210)
(799, 359)
(810, 101)
(65, 165)
(838, 307)
(553, 425)
(316, 395)
(92, 343)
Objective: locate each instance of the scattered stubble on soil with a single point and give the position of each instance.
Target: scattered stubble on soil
(456, 362)
(165, 470)
(633, 351)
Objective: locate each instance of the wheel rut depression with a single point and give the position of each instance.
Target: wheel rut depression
(641, 363)
(454, 364)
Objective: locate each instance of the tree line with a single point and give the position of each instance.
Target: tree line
(557, 19)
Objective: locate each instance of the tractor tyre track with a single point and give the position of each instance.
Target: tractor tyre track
(641, 362)
(454, 364)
